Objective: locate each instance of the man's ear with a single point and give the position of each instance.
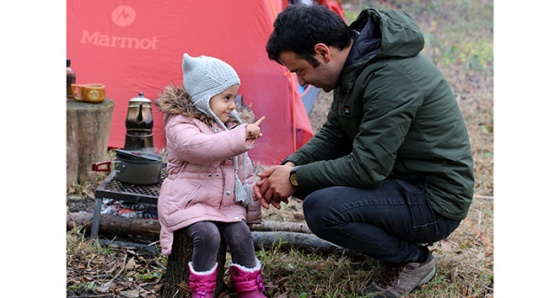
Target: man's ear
(323, 52)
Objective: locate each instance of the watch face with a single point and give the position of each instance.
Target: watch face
(293, 180)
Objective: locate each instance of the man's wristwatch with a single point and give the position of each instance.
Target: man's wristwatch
(293, 177)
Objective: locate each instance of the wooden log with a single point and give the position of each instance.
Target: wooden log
(115, 224)
(87, 135)
(301, 241)
(267, 225)
(176, 278)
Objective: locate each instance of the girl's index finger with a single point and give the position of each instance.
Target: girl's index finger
(259, 121)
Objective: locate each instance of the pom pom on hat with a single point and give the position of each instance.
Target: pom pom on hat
(204, 77)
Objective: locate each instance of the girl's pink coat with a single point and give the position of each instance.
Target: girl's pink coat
(200, 182)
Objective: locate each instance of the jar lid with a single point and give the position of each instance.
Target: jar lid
(140, 99)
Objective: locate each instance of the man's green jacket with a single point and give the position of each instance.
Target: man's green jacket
(393, 116)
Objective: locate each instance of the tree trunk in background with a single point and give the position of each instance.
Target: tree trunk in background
(176, 278)
(87, 135)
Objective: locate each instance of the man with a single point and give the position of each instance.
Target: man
(391, 169)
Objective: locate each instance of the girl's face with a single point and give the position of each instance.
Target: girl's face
(222, 104)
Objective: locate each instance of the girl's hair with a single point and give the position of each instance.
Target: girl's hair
(300, 27)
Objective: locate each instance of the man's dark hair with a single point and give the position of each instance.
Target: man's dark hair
(300, 27)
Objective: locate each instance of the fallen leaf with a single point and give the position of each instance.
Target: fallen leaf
(131, 264)
(104, 288)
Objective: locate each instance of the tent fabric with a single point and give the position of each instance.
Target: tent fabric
(137, 46)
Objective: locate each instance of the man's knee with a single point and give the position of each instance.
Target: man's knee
(315, 209)
(311, 206)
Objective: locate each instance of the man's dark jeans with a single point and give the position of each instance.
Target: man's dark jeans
(387, 223)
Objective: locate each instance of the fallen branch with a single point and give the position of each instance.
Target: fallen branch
(115, 224)
(282, 226)
(108, 284)
(299, 241)
(267, 234)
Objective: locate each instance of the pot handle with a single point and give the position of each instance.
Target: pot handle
(104, 166)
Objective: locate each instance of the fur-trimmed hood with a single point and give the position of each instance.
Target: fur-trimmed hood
(175, 101)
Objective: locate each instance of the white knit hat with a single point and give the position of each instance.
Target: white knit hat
(204, 77)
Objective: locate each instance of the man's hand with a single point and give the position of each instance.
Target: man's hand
(274, 186)
(259, 197)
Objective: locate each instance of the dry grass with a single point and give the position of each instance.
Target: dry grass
(459, 36)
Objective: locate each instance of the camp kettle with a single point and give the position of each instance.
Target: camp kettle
(139, 123)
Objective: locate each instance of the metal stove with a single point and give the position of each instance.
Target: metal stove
(112, 188)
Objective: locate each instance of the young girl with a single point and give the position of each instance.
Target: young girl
(208, 191)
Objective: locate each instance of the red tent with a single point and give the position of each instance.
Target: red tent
(137, 46)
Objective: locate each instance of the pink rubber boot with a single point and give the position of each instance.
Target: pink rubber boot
(248, 283)
(202, 284)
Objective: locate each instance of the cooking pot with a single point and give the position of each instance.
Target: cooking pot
(133, 167)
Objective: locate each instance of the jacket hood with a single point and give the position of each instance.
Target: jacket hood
(174, 100)
(384, 34)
